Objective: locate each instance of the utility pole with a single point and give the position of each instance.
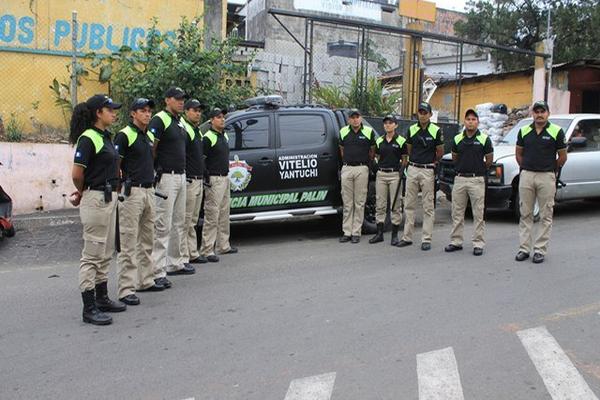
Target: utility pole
(549, 47)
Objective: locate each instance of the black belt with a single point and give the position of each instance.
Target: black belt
(197, 177)
(468, 174)
(389, 169)
(352, 164)
(426, 166)
(98, 188)
(216, 174)
(142, 185)
(174, 172)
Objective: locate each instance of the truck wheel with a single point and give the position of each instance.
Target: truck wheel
(10, 232)
(369, 225)
(517, 211)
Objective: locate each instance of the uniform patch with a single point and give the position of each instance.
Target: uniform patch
(78, 154)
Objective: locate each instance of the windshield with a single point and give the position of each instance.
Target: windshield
(511, 136)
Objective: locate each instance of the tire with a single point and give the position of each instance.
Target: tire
(10, 232)
(517, 212)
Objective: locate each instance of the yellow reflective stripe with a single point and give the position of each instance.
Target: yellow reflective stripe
(344, 132)
(400, 140)
(95, 137)
(378, 141)
(368, 132)
(190, 129)
(150, 136)
(433, 130)
(414, 129)
(458, 138)
(131, 135)
(553, 130)
(525, 130)
(165, 118)
(482, 137)
(212, 136)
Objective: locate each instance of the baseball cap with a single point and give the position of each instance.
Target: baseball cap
(471, 111)
(541, 104)
(353, 112)
(390, 117)
(193, 103)
(424, 106)
(98, 101)
(215, 112)
(140, 103)
(175, 92)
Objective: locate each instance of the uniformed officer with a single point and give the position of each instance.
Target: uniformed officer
(137, 210)
(194, 171)
(169, 152)
(473, 154)
(357, 143)
(392, 158)
(95, 176)
(537, 147)
(425, 146)
(215, 231)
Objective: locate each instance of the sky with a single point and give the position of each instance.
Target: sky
(458, 5)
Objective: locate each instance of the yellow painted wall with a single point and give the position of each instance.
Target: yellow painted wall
(512, 90)
(35, 39)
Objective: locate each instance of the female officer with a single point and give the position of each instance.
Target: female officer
(95, 177)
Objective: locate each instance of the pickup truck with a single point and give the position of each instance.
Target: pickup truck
(580, 177)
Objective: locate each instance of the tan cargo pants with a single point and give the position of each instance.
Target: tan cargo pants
(98, 219)
(193, 203)
(215, 231)
(168, 252)
(532, 186)
(422, 179)
(136, 226)
(386, 185)
(355, 184)
(465, 189)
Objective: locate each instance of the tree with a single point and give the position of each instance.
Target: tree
(523, 23)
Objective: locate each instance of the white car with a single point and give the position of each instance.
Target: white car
(579, 179)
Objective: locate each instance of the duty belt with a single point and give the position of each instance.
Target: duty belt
(217, 174)
(142, 185)
(426, 166)
(355, 164)
(389, 169)
(195, 177)
(468, 174)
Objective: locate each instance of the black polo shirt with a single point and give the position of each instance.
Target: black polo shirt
(539, 151)
(194, 152)
(100, 164)
(471, 153)
(135, 150)
(356, 144)
(423, 143)
(390, 153)
(170, 151)
(216, 149)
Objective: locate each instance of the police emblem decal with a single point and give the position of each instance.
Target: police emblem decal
(239, 174)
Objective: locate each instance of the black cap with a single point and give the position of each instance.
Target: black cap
(193, 103)
(390, 117)
(470, 111)
(140, 103)
(353, 112)
(424, 106)
(98, 101)
(540, 104)
(214, 112)
(176, 92)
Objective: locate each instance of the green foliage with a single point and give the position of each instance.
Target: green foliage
(522, 23)
(14, 129)
(62, 98)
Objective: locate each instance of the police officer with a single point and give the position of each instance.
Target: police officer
(391, 156)
(95, 176)
(537, 147)
(473, 154)
(356, 143)
(194, 170)
(215, 231)
(425, 146)
(169, 162)
(137, 210)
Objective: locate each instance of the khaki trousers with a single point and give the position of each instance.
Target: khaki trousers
(465, 189)
(193, 203)
(136, 226)
(532, 186)
(98, 219)
(355, 184)
(215, 230)
(422, 179)
(168, 252)
(386, 185)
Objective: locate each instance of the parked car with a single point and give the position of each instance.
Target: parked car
(580, 176)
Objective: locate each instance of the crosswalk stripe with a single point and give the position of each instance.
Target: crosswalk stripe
(438, 376)
(317, 387)
(560, 376)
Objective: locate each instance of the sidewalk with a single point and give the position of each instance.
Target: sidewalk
(46, 218)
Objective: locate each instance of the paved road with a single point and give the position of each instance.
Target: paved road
(298, 316)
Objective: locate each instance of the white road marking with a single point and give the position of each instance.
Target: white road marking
(560, 376)
(317, 387)
(438, 376)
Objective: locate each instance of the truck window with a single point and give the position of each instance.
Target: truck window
(301, 129)
(589, 129)
(248, 133)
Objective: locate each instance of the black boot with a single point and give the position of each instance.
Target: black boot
(91, 314)
(395, 240)
(378, 236)
(104, 303)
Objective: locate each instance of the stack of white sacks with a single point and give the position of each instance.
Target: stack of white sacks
(491, 122)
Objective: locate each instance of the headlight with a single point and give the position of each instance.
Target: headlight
(496, 174)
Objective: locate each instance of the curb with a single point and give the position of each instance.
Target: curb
(32, 222)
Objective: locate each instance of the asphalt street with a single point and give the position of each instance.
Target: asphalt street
(298, 316)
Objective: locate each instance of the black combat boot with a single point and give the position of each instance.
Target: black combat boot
(91, 314)
(104, 303)
(395, 240)
(378, 236)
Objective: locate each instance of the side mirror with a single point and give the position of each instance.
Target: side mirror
(577, 143)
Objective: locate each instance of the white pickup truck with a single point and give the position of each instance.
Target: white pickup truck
(580, 176)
